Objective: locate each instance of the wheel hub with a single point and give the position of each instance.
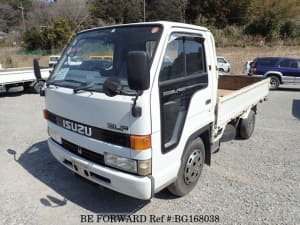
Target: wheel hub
(193, 167)
(273, 83)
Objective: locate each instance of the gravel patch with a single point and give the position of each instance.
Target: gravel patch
(255, 181)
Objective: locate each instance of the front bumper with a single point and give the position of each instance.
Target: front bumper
(128, 184)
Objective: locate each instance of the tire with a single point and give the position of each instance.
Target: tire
(38, 86)
(221, 70)
(190, 170)
(274, 82)
(246, 126)
(15, 89)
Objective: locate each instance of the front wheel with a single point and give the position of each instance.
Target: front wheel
(190, 169)
(274, 82)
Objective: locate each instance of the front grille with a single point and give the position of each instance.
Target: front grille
(52, 117)
(108, 136)
(83, 152)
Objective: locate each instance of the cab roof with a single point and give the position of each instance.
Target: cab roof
(165, 24)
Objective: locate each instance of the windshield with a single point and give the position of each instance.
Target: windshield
(96, 55)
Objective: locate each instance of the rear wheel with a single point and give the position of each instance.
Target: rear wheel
(274, 82)
(190, 169)
(246, 126)
(15, 89)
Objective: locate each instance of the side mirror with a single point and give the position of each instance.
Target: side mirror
(138, 70)
(39, 82)
(37, 70)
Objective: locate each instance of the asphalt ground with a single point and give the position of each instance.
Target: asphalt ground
(255, 181)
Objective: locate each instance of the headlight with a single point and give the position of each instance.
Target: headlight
(54, 135)
(140, 167)
(144, 167)
(120, 162)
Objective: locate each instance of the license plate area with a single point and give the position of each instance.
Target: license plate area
(80, 168)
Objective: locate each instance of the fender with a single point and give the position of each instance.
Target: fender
(269, 73)
(205, 134)
(246, 114)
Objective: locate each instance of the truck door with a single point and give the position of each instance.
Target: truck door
(183, 73)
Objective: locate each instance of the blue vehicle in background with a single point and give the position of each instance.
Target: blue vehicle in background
(280, 70)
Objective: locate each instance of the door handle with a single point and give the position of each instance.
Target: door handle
(208, 101)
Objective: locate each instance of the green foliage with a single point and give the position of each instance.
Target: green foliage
(127, 11)
(109, 11)
(171, 10)
(269, 20)
(33, 39)
(287, 9)
(289, 30)
(58, 34)
(218, 13)
(133, 11)
(52, 37)
(266, 25)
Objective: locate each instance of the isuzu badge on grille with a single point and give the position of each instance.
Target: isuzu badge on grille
(78, 128)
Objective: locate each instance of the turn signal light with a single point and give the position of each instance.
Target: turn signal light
(140, 143)
(46, 114)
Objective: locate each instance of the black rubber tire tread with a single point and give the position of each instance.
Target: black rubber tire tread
(246, 126)
(179, 187)
(277, 80)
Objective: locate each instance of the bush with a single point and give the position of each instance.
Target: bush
(51, 37)
(289, 30)
(267, 25)
(32, 39)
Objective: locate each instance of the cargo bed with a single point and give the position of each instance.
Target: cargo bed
(20, 75)
(238, 94)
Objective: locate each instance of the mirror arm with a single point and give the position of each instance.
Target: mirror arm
(136, 111)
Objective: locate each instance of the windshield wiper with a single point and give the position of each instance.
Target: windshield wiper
(55, 82)
(88, 87)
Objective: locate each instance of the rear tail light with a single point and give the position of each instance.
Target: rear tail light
(254, 71)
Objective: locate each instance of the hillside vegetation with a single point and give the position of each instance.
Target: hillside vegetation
(249, 24)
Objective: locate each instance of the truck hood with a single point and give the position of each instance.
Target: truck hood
(91, 108)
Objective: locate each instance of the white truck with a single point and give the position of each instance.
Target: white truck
(150, 117)
(18, 79)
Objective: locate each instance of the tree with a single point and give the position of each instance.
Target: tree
(266, 25)
(172, 10)
(109, 11)
(8, 17)
(45, 13)
(58, 34)
(17, 3)
(288, 9)
(33, 39)
(117, 11)
(218, 13)
(72, 11)
(289, 29)
(133, 12)
(50, 37)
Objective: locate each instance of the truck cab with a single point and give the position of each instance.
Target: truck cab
(146, 118)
